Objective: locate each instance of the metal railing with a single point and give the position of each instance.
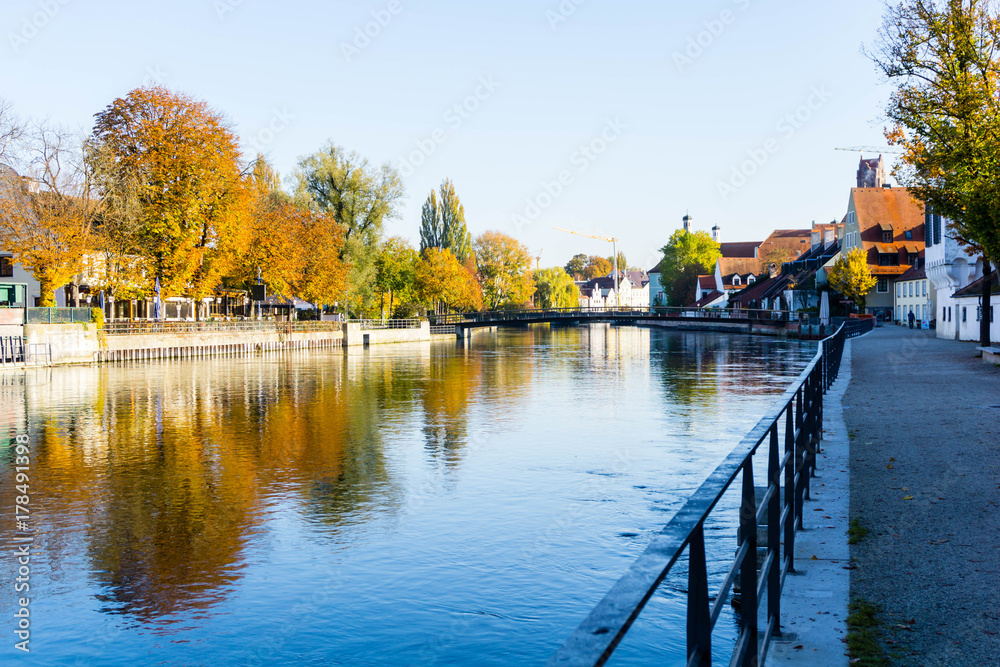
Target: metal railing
(133, 328)
(11, 350)
(443, 329)
(796, 420)
(373, 325)
(611, 313)
(58, 315)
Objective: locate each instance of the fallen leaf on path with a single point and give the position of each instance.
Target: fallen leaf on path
(907, 497)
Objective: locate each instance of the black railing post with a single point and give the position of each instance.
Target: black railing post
(699, 620)
(748, 569)
(774, 532)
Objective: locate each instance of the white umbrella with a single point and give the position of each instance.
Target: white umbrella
(824, 309)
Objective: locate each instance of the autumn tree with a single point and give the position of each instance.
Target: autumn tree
(943, 60)
(361, 197)
(576, 266)
(116, 264)
(504, 266)
(597, 267)
(46, 216)
(395, 273)
(554, 288)
(431, 232)
(850, 276)
(684, 288)
(187, 162)
(440, 279)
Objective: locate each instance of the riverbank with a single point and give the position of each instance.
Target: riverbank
(924, 420)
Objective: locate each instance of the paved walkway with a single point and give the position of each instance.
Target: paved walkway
(924, 420)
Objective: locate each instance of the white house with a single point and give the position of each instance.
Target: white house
(950, 269)
(914, 294)
(967, 312)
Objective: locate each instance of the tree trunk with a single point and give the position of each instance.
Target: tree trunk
(47, 293)
(984, 322)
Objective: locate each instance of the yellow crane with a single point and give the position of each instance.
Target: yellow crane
(614, 246)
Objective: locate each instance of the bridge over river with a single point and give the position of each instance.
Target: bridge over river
(767, 322)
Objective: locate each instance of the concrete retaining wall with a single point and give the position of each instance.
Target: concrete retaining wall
(355, 336)
(761, 328)
(69, 343)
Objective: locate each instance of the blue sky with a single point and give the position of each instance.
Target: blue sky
(584, 114)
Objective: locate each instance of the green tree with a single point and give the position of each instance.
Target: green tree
(576, 266)
(622, 263)
(456, 236)
(395, 272)
(684, 289)
(554, 288)
(504, 266)
(685, 249)
(361, 198)
(945, 112)
(442, 223)
(850, 276)
(431, 233)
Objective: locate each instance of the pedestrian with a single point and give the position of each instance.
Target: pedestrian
(911, 317)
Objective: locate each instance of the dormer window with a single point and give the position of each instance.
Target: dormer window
(887, 236)
(736, 280)
(751, 280)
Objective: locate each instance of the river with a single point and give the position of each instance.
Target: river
(406, 505)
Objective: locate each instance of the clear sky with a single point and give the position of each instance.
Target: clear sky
(643, 110)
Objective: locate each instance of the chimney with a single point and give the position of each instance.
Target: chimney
(716, 234)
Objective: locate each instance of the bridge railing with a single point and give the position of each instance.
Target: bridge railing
(152, 327)
(790, 434)
(610, 313)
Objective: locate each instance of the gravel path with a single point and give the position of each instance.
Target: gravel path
(924, 418)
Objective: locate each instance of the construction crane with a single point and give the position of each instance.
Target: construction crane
(887, 150)
(614, 245)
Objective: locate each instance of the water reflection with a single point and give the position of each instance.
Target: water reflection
(172, 489)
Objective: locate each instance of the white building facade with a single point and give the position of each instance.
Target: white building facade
(950, 269)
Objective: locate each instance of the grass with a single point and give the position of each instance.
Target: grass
(857, 532)
(863, 635)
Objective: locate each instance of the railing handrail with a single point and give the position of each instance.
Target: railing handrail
(151, 327)
(801, 407)
(631, 312)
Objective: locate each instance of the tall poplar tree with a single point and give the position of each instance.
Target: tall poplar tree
(442, 223)
(942, 56)
(430, 224)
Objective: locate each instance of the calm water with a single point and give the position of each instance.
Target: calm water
(428, 504)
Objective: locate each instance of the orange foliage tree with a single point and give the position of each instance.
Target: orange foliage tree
(442, 279)
(504, 266)
(46, 218)
(187, 162)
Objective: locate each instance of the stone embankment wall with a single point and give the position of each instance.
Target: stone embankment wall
(761, 328)
(83, 343)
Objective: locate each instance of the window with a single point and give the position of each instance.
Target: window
(899, 290)
(911, 259)
(909, 234)
(925, 287)
(937, 229)
(887, 237)
(979, 313)
(911, 288)
(965, 314)
(736, 280)
(883, 286)
(888, 260)
(991, 313)
(751, 280)
(6, 268)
